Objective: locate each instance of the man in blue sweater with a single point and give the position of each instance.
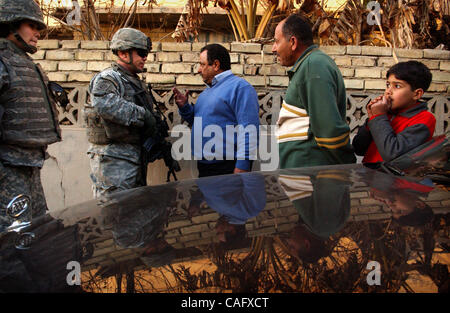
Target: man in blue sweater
(225, 118)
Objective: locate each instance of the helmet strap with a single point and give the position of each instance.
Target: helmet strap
(131, 58)
(26, 47)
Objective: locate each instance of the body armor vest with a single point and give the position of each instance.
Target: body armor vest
(101, 131)
(30, 117)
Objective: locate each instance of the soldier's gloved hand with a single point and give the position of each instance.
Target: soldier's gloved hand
(149, 124)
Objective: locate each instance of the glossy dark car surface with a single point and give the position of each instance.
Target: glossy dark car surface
(321, 229)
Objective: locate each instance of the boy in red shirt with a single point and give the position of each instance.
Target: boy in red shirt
(398, 121)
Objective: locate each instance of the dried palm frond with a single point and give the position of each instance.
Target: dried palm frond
(347, 29)
(400, 19)
(190, 20)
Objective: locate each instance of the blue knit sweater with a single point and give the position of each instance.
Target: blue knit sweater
(225, 121)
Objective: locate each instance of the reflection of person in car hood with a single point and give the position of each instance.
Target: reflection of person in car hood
(323, 203)
(322, 200)
(138, 216)
(238, 197)
(402, 197)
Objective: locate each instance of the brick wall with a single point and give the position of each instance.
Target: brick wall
(363, 67)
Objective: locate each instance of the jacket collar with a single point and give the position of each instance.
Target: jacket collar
(420, 106)
(299, 61)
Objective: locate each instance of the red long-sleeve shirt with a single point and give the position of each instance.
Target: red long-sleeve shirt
(394, 135)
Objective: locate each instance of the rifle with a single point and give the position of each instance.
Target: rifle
(157, 147)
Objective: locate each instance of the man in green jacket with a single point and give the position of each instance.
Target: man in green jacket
(312, 128)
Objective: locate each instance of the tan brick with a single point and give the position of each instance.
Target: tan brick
(151, 57)
(369, 209)
(70, 44)
(279, 81)
(156, 46)
(368, 72)
(39, 55)
(94, 44)
(361, 217)
(237, 69)
(431, 64)
(97, 66)
(48, 66)
(176, 68)
(444, 66)
(197, 46)
(190, 57)
(178, 224)
(257, 59)
(190, 80)
(256, 80)
(57, 76)
(441, 76)
(434, 87)
(363, 61)
(353, 49)
(190, 237)
(176, 46)
(80, 76)
(194, 229)
(48, 44)
(168, 57)
(379, 216)
(369, 201)
(409, 53)
(347, 72)
(273, 69)
(385, 61)
(109, 56)
(153, 67)
(59, 55)
(235, 57)
(371, 50)
(359, 194)
(267, 49)
(333, 49)
(72, 66)
(436, 54)
(204, 218)
(160, 79)
(89, 55)
(195, 68)
(375, 84)
(354, 83)
(246, 47)
(343, 61)
(251, 69)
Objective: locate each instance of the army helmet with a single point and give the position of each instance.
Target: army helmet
(130, 38)
(16, 10)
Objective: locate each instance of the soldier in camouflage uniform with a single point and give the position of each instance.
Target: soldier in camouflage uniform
(118, 118)
(28, 115)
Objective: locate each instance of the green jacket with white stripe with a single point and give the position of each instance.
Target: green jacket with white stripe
(312, 128)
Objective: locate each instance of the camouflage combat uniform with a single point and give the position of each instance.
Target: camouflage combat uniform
(28, 114)
(115, 122)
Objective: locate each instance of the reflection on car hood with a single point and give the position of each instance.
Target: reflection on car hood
(298, 230)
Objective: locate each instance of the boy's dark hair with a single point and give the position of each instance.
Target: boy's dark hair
(218, 52)
(414, 73)
(299, 27)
